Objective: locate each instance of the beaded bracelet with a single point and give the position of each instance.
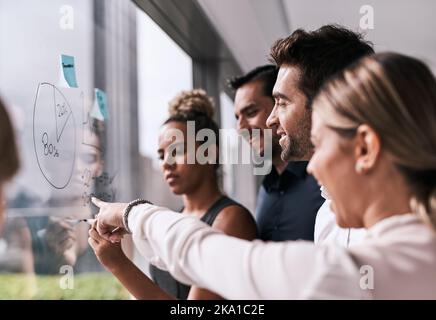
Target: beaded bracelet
(128, 209)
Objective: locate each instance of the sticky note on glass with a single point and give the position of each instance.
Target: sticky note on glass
(68, 72)
(99, 109)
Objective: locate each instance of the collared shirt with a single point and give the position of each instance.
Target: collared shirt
(327, 230)
(287, 204)
(396, 260)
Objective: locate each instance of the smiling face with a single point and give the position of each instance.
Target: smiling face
(290, 115)
(333, 166)
(252, 108)
(182, 178)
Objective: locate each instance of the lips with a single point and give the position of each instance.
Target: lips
(281, 133)
(282, 136)
(171, 177)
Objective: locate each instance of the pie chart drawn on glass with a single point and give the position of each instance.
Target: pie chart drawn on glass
(54, 135)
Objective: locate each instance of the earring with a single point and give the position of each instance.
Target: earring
(359, 167)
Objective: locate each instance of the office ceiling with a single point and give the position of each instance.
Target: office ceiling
(249, 27)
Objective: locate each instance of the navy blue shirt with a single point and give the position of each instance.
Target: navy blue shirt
(287, 204)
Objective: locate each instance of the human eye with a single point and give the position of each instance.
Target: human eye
(89, 158)
(251, 112)
(178, 149)
(280, 103)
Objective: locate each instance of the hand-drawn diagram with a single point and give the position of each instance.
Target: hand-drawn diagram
(94, 180)
(54, 135)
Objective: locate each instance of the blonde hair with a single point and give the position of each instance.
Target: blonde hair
(396, 96)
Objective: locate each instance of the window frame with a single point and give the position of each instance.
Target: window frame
(186, 23)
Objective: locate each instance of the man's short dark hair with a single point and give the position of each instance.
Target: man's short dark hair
(319, 54)
(266, 74)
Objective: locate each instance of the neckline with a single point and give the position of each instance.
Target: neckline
(395, 220)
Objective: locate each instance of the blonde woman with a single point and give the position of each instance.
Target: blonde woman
(374, 132)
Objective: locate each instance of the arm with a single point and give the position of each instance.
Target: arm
(112, 257)
(231, 267)
(53, 243)
(196, 254)
(234, 221)
(237, 222)
(61, 240)
(18, 256)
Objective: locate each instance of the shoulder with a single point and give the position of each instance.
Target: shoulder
(237, 221)
(235, 212)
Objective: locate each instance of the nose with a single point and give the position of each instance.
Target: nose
(242, 123)
(168, 163)
(272, 120)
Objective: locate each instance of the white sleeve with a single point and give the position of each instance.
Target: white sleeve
(325, 223)
(196, 254)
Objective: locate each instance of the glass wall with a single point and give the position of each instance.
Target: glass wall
(164, 70)
(87, 84)
(61, 65)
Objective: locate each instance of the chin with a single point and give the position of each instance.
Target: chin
(343, 220)
(177, 190)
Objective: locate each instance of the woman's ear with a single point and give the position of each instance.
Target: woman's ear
(367, 148)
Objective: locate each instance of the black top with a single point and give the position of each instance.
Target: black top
(288, 204)
(164, 279)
